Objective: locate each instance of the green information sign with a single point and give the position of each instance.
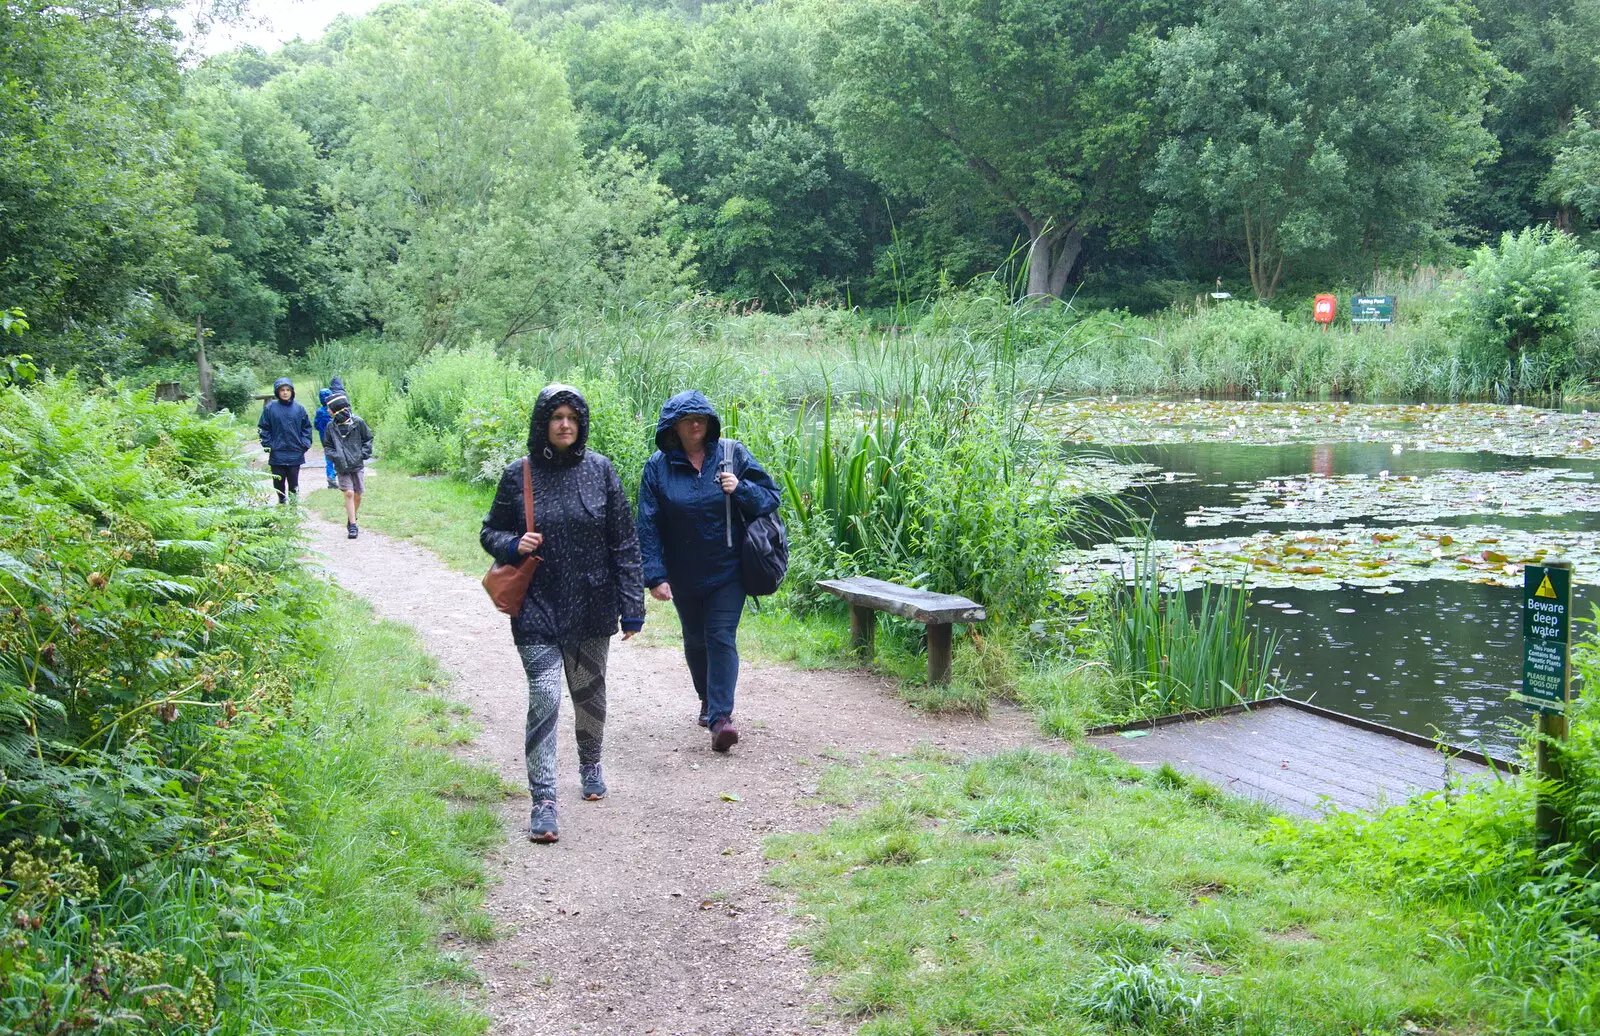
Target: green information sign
(1546, 636)
(1372, 309)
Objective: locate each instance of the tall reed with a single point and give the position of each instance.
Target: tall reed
(1187, 660)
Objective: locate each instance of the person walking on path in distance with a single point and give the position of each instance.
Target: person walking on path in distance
(319, 421)
(691, 556)
(347, 443)
(285, 432)
(587, 581)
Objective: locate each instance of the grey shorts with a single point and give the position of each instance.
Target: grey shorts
(353, 481)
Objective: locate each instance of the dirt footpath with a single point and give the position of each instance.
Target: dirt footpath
(651, 915)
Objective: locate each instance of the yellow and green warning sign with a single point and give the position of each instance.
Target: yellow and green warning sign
(1546, 636)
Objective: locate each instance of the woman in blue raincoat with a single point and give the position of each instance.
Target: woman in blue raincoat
(684, 538)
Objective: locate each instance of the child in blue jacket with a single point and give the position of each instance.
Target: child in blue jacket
(320, 422)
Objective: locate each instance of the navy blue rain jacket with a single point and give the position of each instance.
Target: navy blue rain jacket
(284, 428)
(682, 515)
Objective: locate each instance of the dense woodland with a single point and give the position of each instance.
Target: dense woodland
(447, 169)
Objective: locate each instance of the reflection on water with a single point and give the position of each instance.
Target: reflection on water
(1215, 471)
(1438, 659)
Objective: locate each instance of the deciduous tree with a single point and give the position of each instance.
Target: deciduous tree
(1311, 127)
(1040, 105)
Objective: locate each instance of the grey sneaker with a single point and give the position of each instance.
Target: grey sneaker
(542, 823)
(594, 782)
(352, 530)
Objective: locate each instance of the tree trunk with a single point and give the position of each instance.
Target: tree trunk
(1066, 259)
(208, 395)
(1266, 267)
(1052, 253)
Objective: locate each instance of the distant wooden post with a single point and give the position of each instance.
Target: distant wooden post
(1547, 677)
(208, 395)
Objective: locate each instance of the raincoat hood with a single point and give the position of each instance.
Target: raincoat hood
(539, 448)
(679, 407)
(322, 396)
(276, 385)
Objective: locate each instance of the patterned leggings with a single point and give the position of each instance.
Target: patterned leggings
(585, 665)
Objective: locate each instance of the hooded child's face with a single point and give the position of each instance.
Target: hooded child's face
(285, 393)
(563, 431)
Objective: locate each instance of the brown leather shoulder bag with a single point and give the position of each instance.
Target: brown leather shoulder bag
(508, 584)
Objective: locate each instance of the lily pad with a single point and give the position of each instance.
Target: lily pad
(1090, 475)
(1451, 493)
(1455, 427)
(1355, 556)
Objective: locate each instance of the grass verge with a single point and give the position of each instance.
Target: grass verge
(1037, 893)
(395, 829)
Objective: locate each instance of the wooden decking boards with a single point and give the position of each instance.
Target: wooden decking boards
(1300, 762)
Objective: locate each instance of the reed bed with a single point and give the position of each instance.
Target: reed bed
(1187, 660)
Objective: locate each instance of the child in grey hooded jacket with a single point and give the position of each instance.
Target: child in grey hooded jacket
(347, 443)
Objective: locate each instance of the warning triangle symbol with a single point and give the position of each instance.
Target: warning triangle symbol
(1545, 589)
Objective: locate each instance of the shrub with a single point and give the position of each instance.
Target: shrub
(200, 829)
(445, 390)
(493, 433)
(235, 388)
(146, 606)
(626, 435)
(1526, 298)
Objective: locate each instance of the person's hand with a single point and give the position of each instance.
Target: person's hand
(661, 591)
(530, 542)
(629, 634)
(729, 481)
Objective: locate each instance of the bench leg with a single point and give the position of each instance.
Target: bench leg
(863, 631)
(938, 652)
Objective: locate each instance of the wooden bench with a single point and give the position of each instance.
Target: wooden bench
(869, 596)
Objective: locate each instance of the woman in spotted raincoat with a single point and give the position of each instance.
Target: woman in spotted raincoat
(589, 579)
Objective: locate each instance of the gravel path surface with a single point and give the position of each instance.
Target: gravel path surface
(651, 915)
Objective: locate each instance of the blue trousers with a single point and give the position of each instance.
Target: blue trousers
(328, 463)
(710, 623)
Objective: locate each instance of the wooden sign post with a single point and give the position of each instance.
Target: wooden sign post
(1547, 675)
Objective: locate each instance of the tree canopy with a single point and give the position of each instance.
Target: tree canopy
(1039, 105)
(443, 169)
(1309, 126)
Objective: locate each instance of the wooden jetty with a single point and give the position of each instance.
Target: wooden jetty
(1300, 758)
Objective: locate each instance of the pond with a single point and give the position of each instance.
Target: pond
(1383, 543)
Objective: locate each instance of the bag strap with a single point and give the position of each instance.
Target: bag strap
(527, 493)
